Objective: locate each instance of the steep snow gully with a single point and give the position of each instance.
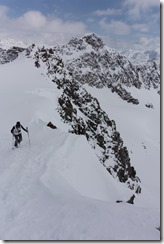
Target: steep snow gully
(56, 189)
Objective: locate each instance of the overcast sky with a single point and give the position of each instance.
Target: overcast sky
(123, 24)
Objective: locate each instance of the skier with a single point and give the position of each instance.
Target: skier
(16, 131)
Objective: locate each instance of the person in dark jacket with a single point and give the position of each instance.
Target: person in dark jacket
(16, 131)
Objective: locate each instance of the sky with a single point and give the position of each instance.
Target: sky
(122, 24)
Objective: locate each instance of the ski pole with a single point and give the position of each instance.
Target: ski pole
(12, 142)
(28, 136)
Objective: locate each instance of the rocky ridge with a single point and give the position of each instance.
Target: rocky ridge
(9, 55)
(85, 117)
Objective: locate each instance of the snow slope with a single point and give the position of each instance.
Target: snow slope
(140, 128)
(56, 189)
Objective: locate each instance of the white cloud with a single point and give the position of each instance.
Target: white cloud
(107, 12)
(140, 27)
(135, 7)
(58, 25)
(33, 26)
(139, 43)
(115, 27)
(31, 20)
(149, 42)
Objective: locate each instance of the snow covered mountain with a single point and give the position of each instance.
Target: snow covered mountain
(104, 154)
(7, 43)
(141, 57)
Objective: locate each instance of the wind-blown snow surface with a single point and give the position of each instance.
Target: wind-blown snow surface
(56, 189)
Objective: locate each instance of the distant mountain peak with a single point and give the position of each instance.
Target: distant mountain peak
(141, 57)
(8, 43)
(90, 39)
(93, 40)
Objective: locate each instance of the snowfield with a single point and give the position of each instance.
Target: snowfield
(56, 188)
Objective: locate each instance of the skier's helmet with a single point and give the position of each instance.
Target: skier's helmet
(18, 124)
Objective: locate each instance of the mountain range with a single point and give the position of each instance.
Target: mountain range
(110, 100)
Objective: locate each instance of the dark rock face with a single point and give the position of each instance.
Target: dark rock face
(125, 95)
(10, 55)
(51, 125)
(150, 75)
(94, 41)
(131, 200)
(149, 105)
